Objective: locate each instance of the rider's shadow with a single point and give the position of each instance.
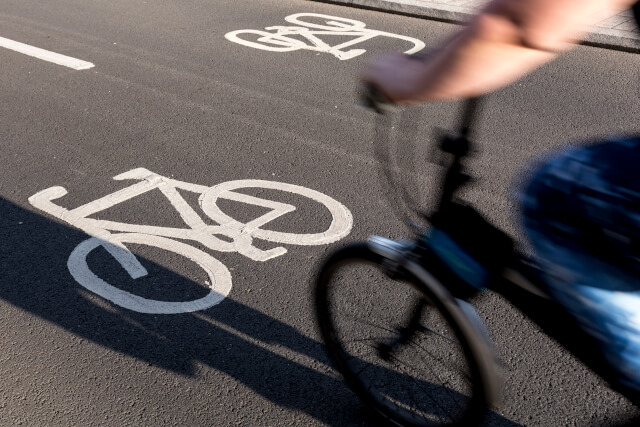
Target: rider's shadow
(279, 362)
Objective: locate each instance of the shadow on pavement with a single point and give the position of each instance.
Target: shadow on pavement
(231, 337)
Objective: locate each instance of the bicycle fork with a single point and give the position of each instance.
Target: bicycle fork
(397, 261)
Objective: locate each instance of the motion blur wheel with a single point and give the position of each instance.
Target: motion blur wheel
(398, 347)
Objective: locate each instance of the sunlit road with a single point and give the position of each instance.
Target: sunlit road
(151, 92)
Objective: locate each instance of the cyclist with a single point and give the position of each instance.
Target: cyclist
(581, 209)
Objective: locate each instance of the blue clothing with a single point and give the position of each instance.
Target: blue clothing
(581, 212)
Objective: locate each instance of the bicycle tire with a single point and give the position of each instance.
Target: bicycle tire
(348, 347)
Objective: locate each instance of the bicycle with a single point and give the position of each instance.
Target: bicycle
(405, 337)
(288, 38)
(228, 235)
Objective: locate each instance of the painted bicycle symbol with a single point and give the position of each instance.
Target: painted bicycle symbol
(307, 35)
(229, 235)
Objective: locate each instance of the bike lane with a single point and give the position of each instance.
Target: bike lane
(185, 107)
(171, 94)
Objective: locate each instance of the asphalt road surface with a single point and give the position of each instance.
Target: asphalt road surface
(169, 103)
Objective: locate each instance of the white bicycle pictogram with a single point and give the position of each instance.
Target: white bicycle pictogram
(307, 35)
(236, 235)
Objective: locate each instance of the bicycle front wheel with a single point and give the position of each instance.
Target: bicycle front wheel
(400, 349)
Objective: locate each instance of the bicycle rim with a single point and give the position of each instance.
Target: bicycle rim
(430, 380)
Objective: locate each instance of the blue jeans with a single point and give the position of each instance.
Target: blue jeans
(581, 211)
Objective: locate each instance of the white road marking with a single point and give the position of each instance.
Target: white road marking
(229, 235)
(46, 55)
(219, 276)
(288, 38)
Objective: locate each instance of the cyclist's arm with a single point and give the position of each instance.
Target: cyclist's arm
(505, 41)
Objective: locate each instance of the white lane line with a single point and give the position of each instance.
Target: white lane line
(56, 58)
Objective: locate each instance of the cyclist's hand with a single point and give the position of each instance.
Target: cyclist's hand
(397, 76)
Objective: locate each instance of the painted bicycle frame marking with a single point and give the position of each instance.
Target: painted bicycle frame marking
(238, 236)
(278, 38)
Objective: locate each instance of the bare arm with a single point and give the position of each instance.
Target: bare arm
(505, 41)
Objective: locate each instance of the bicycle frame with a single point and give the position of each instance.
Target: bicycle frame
(520, 282)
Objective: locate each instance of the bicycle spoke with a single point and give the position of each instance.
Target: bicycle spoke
(432, 399)
(463, 372)
(442, 362)
(358, 340)
(368, 322)
(406, 373)
(405, 360)
(427, 392)
(439, 334)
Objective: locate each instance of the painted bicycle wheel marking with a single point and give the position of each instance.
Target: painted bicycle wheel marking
(281, 38)
(238, 236)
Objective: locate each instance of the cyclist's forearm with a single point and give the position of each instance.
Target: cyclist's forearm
(485, 56)
(506, 41)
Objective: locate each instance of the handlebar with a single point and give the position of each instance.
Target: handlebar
(372, 97)
(458, 144)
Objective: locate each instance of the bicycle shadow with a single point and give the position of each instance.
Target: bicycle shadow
(281, 363)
